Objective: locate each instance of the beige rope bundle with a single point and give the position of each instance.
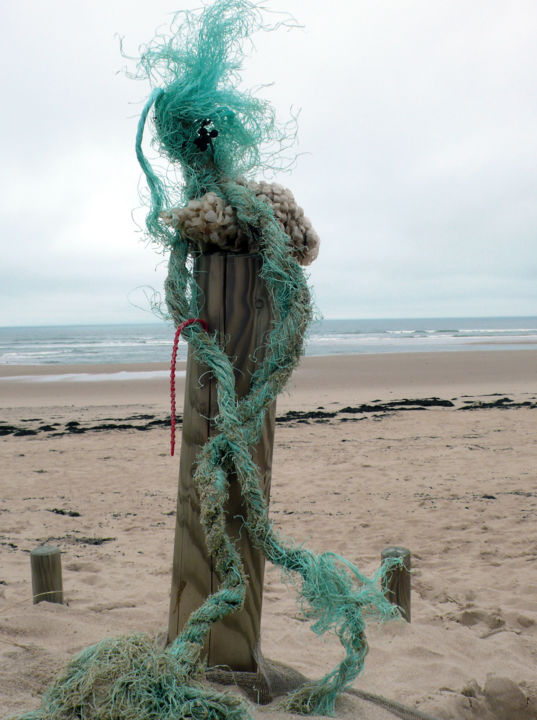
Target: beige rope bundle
(209, 224)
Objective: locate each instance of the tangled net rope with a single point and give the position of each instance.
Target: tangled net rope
(333, 594)
(131, 678)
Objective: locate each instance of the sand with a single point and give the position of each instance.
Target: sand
(357, 467)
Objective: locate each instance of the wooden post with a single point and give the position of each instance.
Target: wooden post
(46, 567)
(234, 303)
(397, 587)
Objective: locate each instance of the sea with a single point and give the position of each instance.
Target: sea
(152, 342)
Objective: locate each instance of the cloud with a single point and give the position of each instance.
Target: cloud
(418, 126)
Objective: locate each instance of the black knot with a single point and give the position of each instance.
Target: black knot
(205, 136)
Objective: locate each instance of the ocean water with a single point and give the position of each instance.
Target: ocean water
(63, 345)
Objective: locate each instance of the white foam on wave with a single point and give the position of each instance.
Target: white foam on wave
(121, 375)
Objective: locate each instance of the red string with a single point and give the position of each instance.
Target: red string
(181, 327)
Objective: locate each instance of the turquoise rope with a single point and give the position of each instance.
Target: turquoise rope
(334, 595)
(130, 678)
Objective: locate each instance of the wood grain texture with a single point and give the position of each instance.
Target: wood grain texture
(397, 586)
(234, 302)
(46, 566)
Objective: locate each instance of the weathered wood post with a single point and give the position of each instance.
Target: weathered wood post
(46, 566)
(397, 587)
(234, 303)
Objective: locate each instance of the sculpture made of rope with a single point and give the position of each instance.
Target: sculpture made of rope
(214, 133)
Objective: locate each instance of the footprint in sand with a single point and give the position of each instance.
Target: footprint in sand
(82, 566)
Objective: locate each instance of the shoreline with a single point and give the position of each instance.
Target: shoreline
(318, 381)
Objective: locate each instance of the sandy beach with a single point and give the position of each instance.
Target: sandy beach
(436, 452)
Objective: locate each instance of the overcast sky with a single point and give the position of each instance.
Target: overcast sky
(418, 129)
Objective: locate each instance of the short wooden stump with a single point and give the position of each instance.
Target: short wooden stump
(46, 567)
(397, 586)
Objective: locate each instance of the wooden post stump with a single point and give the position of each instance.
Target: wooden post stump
(46, 567)
(234, 302)
(397, 587)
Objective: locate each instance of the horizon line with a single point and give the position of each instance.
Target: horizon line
(164, 322)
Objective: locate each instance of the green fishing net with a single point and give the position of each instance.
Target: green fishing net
(215, 133)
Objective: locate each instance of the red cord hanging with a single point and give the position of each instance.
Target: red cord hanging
(180, 328)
